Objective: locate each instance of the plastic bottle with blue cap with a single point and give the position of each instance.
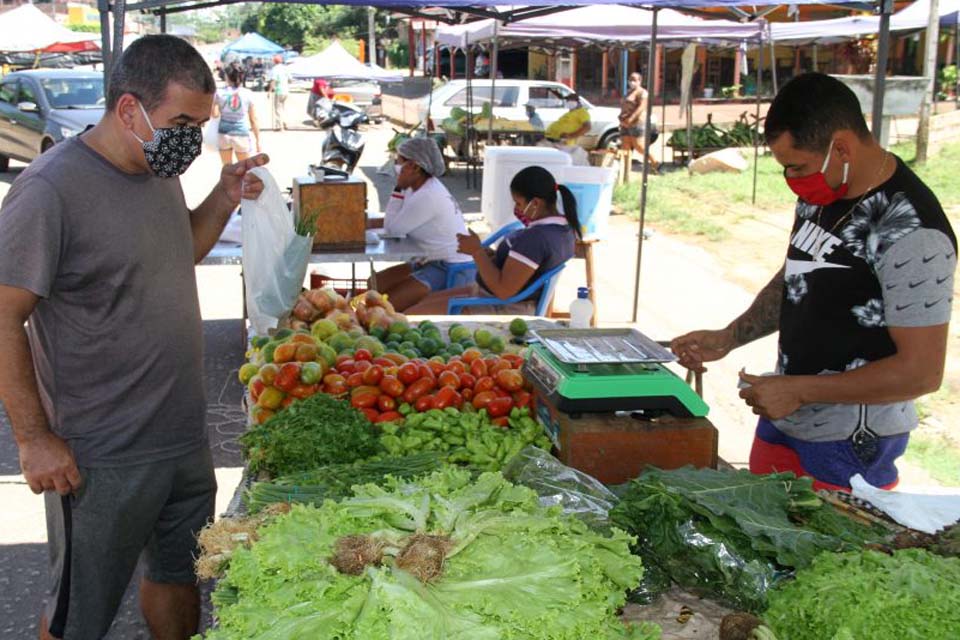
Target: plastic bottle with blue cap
(581, 310)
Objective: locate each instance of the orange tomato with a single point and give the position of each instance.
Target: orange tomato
(498, 366)
(479, 368)
(509, 379)
(271, 398)
(306, 353)
(268, 373)
(302, 338)
(286, 352)
(472, 354)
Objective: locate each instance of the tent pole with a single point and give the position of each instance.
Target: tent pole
(815, 61)
(646, 162)
(663, 106)
(883, 53)
(104, 8)
(493, 80)
(119, 19)
(773, 66)
(163, 20)
(756, 130)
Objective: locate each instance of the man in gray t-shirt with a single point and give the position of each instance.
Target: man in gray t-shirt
(97, 249)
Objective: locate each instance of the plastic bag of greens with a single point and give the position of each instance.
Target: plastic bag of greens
(275, 256)
(577, 493)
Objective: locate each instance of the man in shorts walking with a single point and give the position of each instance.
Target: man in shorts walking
(97, 254)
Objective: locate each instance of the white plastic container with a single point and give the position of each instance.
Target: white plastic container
(593, 189)
(581, 310)
(500, 164)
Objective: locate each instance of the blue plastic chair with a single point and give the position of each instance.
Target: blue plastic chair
(545, 284)
(453, 270)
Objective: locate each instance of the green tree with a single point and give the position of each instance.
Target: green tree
(289, 24)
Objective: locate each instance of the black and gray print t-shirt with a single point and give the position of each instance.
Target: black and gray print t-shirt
(851, 272)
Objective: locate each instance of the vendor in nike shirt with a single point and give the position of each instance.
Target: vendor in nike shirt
(862, 303)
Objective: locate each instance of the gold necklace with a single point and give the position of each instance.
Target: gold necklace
(826, 236)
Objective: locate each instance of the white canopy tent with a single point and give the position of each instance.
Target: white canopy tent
(27, 29)
(911, 18)
(336, 62)
(614, 23)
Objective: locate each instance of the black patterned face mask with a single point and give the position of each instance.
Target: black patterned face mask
(172, 149)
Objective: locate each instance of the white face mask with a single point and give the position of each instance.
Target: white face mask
(398, 169)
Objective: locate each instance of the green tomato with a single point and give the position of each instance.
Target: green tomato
(483, 337)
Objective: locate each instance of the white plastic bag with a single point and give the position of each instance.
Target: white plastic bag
(211, 134)
(924, 512)
(274, 257)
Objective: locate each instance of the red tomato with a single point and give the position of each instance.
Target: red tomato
(445, 397)
(449, 379)
(388, 416)
(471, 354)
(483, 398)
(468, 381)
(392, 370)
(500, 407)
(361, 365)
(426, 371)
(302, 391)
(336, 388)
(509, 379)
(457, 366)
(498, 366)
(285, 352)
(437, 366)
(478, 368)
(386, 403)
(256, 387)
(391, 386)
(373, 375)
(354, 380)
(522, 399)
(395, 358)
(364, 389)
(409, 373)
(515, 361)
(501, 393)
(384, 362)
(343, 360)
(420, 388)
(363, 354)
(467, 394)
(502, 421)
(289, 400)
(333, 378)
(289, 376)
(485, 383)
(371, 414)
(364, 400)
(424, 403)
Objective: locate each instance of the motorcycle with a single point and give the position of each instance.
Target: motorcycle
(344, 143)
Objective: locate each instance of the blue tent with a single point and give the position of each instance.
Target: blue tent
(252, 44)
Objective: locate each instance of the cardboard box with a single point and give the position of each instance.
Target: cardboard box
(340, 207)
(615, 448)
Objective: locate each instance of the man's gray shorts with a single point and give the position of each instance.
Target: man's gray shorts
(119, 515)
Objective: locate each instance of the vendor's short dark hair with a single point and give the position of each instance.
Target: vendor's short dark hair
(811, 108)
(151, 63)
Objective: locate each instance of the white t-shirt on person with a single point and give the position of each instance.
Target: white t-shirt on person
(429, 215)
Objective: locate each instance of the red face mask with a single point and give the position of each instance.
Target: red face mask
(814, 189)
(522, 216)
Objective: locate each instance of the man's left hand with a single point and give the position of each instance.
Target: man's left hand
(238, 183)
(771, 397)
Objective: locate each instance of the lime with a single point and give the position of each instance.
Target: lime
(455, 349)
(412, 336)
(425, 324)
(407, 345)
(398, 328)
(428, 347)
(497, 345)
(410, 353)
(468, 343)
(378, 332)
(483, 338)
(518, 327)
(323, 329)
(459, 333)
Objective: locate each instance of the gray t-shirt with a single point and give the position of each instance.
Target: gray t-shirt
(116, 338)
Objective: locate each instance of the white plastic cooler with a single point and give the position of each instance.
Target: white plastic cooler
(591, 186)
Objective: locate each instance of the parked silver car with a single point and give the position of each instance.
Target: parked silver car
(41, 107)
(510, 99)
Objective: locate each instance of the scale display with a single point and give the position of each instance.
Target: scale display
(602, 346)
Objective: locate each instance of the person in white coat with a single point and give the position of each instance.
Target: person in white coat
(421, 208)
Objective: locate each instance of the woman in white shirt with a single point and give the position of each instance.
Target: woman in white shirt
(421, 208)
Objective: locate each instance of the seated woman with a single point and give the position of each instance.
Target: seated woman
(547, 241)
(421, 208)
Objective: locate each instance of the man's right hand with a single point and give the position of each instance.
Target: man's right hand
(48, 465)
(697, 347)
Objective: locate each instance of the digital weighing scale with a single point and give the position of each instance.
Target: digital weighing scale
(601, 370)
